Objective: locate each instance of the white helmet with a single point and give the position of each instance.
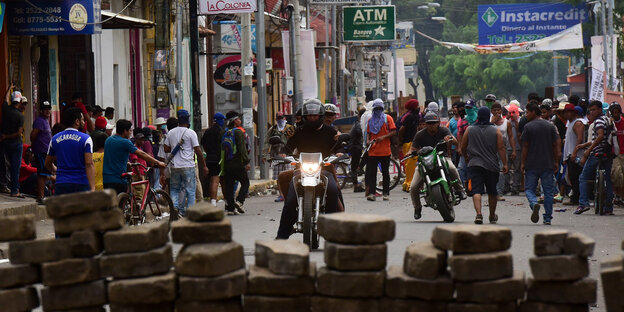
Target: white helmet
(331, 108)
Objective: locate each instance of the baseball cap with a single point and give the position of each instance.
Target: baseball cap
(470, 103)
(110, 126)
(139, 136)
(16, 96)
(431, 117)
(24, 99)
(231, 115)
(45, 105)
(183, 116)
(569, 107)
(579, 110)
(159, 121)
(562, 105)
(490, 97)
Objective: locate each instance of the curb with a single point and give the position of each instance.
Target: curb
(14, 209)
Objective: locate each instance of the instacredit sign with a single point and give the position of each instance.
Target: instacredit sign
(227, 6)
(369, 23)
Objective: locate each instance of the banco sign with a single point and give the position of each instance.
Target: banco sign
(369, 23)
(513, 23)
(227, 6)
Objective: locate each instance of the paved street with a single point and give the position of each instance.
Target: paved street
(262, 219)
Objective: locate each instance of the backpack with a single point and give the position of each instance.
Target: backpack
(228, 144)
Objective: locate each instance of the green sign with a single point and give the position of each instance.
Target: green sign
(369, 23)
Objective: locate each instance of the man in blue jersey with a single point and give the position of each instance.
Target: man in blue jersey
(72, 151)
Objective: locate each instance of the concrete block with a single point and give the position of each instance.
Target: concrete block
(261, 281)
(355, 257)
(559, 268)
(231, 305)
(423, 260)
(549, 242)
(481, 267)
(213, 288)
(12, 275)
(204, 212)
(158, 307)
(87, 309)
(532, 306)
(401, 285)
(612, 277)
(350, 284)
(579, 244)
(470, 238)
(85, 243)
(39, 251)
(330, 304)
(137, 264)
(70, 271)
(494, 291)
(481, 307)
(79, 203)
(411, 305)
(17, 228)
(189, 232)
(271, 304)
(73, 296)
(356, 229)
(145, 290)
(210, 259)
(288, 257)
(137, 238)
(19, 299)
(581, 291)
(105, 220)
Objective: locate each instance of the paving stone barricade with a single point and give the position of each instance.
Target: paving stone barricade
(100, 265)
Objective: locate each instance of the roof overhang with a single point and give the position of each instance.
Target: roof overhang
(120, 21)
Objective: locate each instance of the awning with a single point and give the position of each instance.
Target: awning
(121, 21)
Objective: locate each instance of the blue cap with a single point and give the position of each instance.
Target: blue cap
(183, 116)
(219, 116)
(579, 110)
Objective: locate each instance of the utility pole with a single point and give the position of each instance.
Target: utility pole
(261, 85)
(247, 97)
(395, 77)
(605, 42)
(196, 93)
(377, 78)
(611, 72)
(334, 59)
(555, 73)
(299, 68)
(179, 59)
(360, 72)
(292, 18)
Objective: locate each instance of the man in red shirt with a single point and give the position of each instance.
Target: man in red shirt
(617, 172)
(380, 129)
(77, 102)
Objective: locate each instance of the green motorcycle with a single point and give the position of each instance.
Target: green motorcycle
(433, 168)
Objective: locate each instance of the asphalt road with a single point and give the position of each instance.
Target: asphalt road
(262, 219)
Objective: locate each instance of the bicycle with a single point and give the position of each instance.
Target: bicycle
(344, 171)
(159, 202)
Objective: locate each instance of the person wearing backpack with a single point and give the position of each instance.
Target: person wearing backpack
(599, 150)
(380, 129)
(183, 146)
(234, 163)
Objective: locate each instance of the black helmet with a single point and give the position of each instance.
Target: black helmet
(312, 107)
(615, 105)
(298, 113)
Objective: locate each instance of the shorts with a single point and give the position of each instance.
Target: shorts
(481, 180)
(39, 163)
(213, 169)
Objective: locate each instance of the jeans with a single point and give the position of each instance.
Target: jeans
(589, 173)
(289, 212)
(13, 151)
(418, 183)
(574, 172)
(230, 176)
(546, 176)
(118, 187)
(68, 188)
(356, 154)
(502, 177)
(371, 174)
(514, 176)
(461, 168)
(182, 181)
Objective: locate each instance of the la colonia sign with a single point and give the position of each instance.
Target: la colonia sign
(227, 6)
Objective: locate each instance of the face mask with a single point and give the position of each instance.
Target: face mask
(312, 125)
(489, 104)
(471, 115)
(281, 123)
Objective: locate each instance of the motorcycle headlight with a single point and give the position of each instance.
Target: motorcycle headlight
(428, 161)
(310, 168)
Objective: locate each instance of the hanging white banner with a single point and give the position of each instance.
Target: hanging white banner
(227, 6)
(400, 78)
(307, 60)
(597, 86)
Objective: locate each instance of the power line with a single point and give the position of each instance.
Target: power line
(74, 22)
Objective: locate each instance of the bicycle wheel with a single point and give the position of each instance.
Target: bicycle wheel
(165, 205)
(599, 192)
(125, 204)
(395, 175)
(342, 174)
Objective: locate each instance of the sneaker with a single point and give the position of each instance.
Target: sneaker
(371, 197)
(279, 199)
(238, 206)
(571, 203)
(213, 202)
(535, 213)
(494, 219)
(580, 209)
(386, 197)
(558, 198)
(358, 189)
(500, 198)
(5, 189)
(478, 219)
(546, 222)
(417, 214)
(461, 194)
(232, 212)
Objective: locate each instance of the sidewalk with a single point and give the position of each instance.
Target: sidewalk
(10, 206)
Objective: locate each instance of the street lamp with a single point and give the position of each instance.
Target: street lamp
(433, 5)
(438, 18)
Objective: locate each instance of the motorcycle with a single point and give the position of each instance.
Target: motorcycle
(433, 168)
(310, 187)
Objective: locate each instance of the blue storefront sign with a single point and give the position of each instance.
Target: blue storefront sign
(520, 22)
(2, 10)
(54, 17)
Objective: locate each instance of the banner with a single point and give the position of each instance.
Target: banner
(597, 86)
(232, 36)
(227, 6)
(521, 22)
(307, 60)
(369, 23)
(68, 17)
(400, 78)
(340, 1)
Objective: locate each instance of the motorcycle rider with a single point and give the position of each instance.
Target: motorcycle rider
(431, 136)
(313, 137)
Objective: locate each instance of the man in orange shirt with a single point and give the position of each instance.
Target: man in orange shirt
(380, 129)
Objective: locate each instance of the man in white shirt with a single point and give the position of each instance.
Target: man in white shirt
(183, 145)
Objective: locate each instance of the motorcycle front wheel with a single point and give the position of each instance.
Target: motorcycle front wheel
(308, 210)
(443, 206)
